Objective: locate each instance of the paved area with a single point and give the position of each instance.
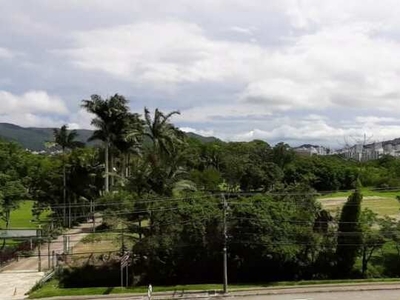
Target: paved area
(14, 284)
(354, 295)
(20, 276)
(323, 292)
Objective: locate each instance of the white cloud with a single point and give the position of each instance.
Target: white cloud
(31, 120)
(375, 120)
(170, 52)
(31, 102)
(242, 30)
(5, 53)
(32, 109)
(292, 69)
(198, 131)
(220, 113)
(323, 132)
(309, 72)
(81, 120)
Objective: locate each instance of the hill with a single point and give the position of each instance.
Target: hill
(203, 139)
(35, 138)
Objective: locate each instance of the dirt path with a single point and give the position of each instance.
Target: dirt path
(19, 277)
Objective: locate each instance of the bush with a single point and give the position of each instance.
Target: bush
(92, 276)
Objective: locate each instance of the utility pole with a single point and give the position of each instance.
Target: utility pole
(53, 257)
(225, 249)
(122, 239)
(93, 215)
(48, 252)
(69, 215)
(39, 251)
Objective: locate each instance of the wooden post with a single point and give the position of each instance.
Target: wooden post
(39, 258)
(39, 251)
(48, 253)
(53, 257)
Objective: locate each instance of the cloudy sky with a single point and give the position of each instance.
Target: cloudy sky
(279, 70)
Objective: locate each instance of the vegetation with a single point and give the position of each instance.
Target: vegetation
(22, 217)
(349, 235)
(158, 193)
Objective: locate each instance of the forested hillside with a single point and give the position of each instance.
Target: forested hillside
(33, 138)
(36, 138)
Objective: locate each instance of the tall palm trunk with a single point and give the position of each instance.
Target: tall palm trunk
(112, 164)
(128, 166)
(107, 185)
(64, 188)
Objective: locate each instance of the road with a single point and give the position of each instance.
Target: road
(19, 277)
(353, 295)
(323, 292)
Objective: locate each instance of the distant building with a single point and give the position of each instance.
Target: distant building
(358, 152)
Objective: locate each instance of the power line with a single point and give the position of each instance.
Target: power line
(161, 200)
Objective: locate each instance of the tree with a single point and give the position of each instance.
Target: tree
(390, 229)
(109, 113)
(372, 239)
(164, 136)
(182, 244)
(11, 193)
(129, 141)
(66, 140)
(349, 237)
(282, 155)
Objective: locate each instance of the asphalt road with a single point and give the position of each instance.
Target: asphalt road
(353, 295)
(345, 295)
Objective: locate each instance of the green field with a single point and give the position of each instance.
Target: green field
(383, 203)
(367, 192)
(22, 217)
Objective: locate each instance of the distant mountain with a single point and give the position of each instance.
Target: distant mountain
(203, 139)
(35, 138)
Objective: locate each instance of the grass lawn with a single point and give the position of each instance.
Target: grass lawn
(384, 203)
(21, 217)
(381, 206)
(367, 192)
(51, 288)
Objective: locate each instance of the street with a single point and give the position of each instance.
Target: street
(353, 295)
(307, 294)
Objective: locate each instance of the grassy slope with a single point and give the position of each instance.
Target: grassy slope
(21, 218)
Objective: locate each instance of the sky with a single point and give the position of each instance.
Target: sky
(311, 71)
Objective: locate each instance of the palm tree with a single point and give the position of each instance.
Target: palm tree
(165, 155)
(164, 136)
(109, 115)
(129, 141)
(66, 140)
